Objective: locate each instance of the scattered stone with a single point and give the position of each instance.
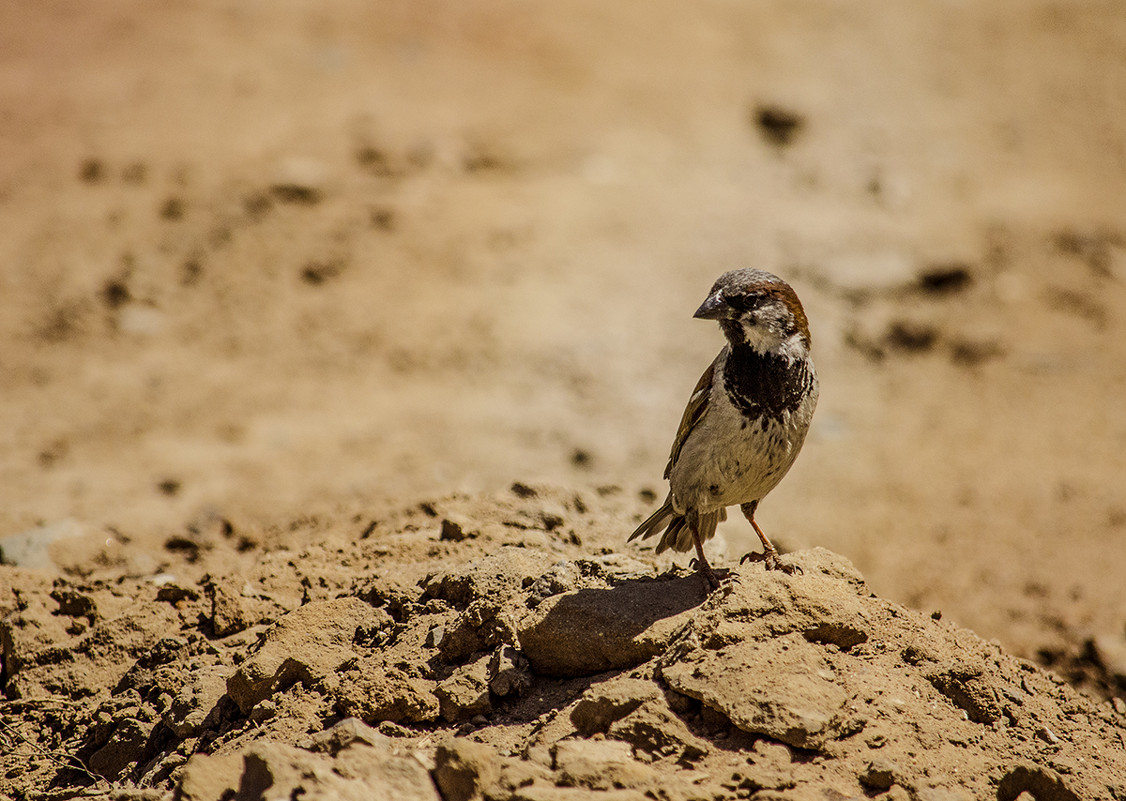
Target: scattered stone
(464, 770)
(490, 591)
(300, 180)
(115, 759)
(173, 593)
(196, 705)
(1041, 783)
(484, 624)
(655, 730)
(346, 733)
(782, 688)
(946, 278)
(376, 692)
(591, 630)
(508, 672)
(31, 548)
(210, 777)
(601, 765)
(305, 645)
(498, 578)
(778, 125)
(841, 635)
(607, 702)
(457, 529)
(561, 577)
(230, 613)
(435, 635)
(359, 772)
(879, 775)
(466, 692)
(772, 687)
(967, 690)
(74, 603)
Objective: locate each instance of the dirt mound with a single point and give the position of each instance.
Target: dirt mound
(497, 647)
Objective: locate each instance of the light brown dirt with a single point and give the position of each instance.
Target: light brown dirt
(266, 266)
(323, 663)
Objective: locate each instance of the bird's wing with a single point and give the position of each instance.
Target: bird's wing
(693, 413)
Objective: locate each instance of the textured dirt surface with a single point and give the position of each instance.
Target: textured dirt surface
(269, 273)
(502, 647)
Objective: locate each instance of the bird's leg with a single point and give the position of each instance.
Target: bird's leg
(702, 565)
(769, 555)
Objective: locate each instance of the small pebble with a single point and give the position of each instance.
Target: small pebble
(1047, 735)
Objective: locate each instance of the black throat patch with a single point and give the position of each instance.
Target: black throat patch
(764, 385)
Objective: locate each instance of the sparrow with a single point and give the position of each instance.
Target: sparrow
(746, 420)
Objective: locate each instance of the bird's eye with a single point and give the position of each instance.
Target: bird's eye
(742, 303)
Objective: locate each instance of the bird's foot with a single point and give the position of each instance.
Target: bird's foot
(771, 561)
(704, 569)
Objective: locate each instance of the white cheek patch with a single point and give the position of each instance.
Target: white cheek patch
(771, 336)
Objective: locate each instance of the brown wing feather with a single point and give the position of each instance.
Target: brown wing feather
(693, 414)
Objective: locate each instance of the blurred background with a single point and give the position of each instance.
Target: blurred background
(265, 257)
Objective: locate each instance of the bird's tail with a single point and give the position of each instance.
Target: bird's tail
(678, 530)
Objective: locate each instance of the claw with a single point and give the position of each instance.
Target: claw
(704, 569)
(771, 561)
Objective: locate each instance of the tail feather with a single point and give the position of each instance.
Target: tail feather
(655, 522)
(677, 529)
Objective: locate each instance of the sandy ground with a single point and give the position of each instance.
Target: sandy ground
(264, 263)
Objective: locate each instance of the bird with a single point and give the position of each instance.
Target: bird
(746, 420)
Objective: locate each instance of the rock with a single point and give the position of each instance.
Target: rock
(768, 768)
(489, 591)
(466, 692)
(210, 777)
(637, 712)
(300, 180)
(498, 578)
(485, 624)
(1041, 783)
(74, 603)
(305, 645)
(276, 770)
(753, 653)
(508, 672)
(456, 529)
(1110, 651)
(116, 757)
(375, 692)
(543, 791)
(464, 770)
(606, 703)
(592, 630)
(560, 577)
(230, 612)
(601, 765)
(196, 704)
(344, 734)
(32, 548)
(879, 776)
(964, 686)
(654, 729)
(782, 689)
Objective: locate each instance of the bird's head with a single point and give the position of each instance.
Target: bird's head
(759, 310)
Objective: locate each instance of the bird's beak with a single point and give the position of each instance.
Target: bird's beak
(714, 308)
